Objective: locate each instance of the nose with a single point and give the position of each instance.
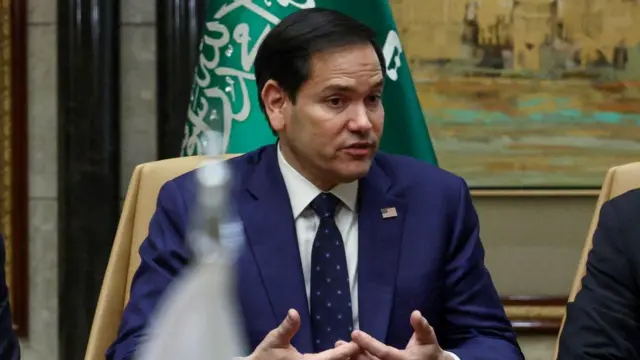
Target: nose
(360, 121)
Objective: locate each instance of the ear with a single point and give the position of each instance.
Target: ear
(274, 99)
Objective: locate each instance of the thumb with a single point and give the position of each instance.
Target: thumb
(423, 332)
(282, 335)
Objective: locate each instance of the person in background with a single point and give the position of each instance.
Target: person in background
(343, 242)
(603, 322)
(9, 345)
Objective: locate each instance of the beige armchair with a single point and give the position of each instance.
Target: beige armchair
(139, 206)
(618, 180)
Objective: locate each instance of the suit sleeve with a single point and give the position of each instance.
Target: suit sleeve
(602, 322)
(163, 255)
(476, 326)
(9, 345)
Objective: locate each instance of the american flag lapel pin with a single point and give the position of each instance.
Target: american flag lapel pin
(389, 212)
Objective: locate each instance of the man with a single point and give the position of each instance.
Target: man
(9, 346)
(604, 320)
(350, 252)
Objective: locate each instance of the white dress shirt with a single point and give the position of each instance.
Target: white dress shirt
(301, 193)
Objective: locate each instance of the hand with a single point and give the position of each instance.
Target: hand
(277, 344)
(423, 345)
(360, 355)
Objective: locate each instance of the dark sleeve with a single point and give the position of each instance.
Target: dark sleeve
(476, 324)
(9, 346)
(602, 322)
(163, 255)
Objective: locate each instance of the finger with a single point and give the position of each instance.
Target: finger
(423, 332)
(346, 350)
(375, 347)
(282, 335)
(364, 355)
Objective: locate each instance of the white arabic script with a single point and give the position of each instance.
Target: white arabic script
(233, 92)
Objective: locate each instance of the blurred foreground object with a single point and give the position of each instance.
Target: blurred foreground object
(197, 317)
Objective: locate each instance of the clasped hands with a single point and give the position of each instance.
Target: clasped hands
(423, 345)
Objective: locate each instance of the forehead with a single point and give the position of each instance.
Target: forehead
(353, 66)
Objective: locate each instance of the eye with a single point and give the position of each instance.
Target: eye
(373, 99)
(335, 101)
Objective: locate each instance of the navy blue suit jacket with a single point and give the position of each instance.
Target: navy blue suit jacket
(9, 346)
(603, 322)
(428, 258)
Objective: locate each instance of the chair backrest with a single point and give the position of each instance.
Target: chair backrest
(138, 208)
(619, 179)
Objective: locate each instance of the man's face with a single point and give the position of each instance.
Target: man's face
(332, 132)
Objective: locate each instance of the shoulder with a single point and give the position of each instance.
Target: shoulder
(240, 165)
(410, 174)
(616, 231)
(425, 188)
(629, 200)
(4, 292)
(2, 271)
(625, 209)
(2, 254)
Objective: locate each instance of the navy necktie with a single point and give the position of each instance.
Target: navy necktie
(330, 296)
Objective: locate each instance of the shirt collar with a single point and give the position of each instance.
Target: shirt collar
(302, 191)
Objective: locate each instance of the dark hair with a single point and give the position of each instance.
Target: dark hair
(285, 52)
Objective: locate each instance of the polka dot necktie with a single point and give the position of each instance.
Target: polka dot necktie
(330, 297)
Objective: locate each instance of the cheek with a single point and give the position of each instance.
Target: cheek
(326, 136)
(322, 126)
(377, 121)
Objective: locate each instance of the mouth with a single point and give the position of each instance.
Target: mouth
(359, 149)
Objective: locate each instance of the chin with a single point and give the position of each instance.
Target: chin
(354, 172)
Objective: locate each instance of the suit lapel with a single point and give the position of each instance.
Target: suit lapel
(379, 251)
(266, 212)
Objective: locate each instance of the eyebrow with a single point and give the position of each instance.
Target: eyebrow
(346, 89)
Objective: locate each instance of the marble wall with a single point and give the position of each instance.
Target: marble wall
(138, 135)
(43, 220)
(138, 145)
(138, 89)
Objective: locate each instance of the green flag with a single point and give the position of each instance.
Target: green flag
(224, 97)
